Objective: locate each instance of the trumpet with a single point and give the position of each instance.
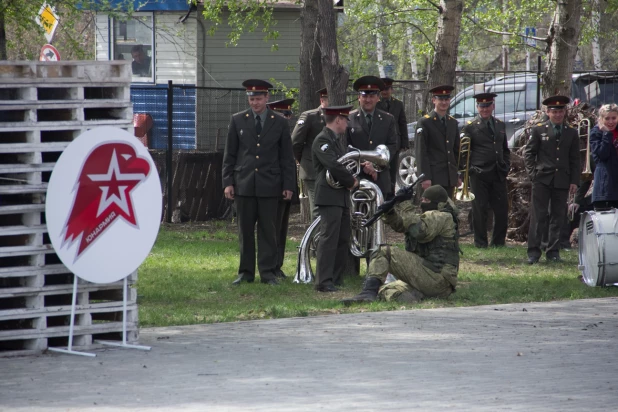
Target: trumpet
(464, 194)
(571, 206)
(585, 123)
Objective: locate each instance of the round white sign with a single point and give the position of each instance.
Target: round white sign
(103, 206)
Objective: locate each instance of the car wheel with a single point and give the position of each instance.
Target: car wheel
(406, 168)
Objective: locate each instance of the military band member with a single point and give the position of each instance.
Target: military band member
(284, 108)
(552, 163)
(437, 143)
(370, 127)
(258, 170)
(333, 204)
(308, 126)
(395, 107)
(490, 161)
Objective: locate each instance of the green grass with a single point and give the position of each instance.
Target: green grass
(187, 280)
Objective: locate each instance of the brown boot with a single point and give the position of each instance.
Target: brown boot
(368, 294)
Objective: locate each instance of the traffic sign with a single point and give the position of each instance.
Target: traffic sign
(49, 54)
(530, 31)
(48, 20)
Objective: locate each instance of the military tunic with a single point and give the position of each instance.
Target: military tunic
(395, 107)
(333, 205)
(308, 126)
(383, 131)
(430, 262)
(260, 167)
(553, 165)
(437, 150)
(490, 161)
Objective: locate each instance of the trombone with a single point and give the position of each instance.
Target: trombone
(463, 193)
(585, 123)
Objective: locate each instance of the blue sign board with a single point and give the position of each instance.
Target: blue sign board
(530, 31)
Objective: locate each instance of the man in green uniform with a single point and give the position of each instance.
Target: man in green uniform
(308, 126)
(283, 108)
(437, 143)
(333, 204)
(551, 157)
(258, 169)
(395, 107)
(429, 265)
(370, 127)
(490, 161)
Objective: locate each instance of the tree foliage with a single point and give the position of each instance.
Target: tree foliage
(21, 37)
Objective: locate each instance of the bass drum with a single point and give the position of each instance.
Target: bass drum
(598, 246)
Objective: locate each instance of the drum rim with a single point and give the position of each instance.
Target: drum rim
(588, 277)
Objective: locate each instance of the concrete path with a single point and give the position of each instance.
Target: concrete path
(558, 356)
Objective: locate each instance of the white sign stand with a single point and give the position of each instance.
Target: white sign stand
(124, 343)
(69, 350)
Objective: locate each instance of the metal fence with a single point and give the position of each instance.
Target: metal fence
(189, 118)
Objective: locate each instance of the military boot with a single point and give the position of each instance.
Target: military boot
(368, 294)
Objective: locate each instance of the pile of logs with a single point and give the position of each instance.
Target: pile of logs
(519, 185)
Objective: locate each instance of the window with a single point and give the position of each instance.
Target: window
(464, 108)
(133, 41)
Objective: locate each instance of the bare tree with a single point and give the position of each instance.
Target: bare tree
(335, 75)
(311, 75)
(562, 40)
(442, 69)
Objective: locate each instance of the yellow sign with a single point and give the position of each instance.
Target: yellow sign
(48, 20)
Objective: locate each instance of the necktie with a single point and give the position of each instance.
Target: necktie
(443, 122)
(491, 128)
(388, 105)
(557, 132)
(258, 125)
(369, 121)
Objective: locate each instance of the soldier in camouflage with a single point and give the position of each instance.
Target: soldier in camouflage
(430, 263)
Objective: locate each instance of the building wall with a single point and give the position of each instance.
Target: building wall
(229, 66)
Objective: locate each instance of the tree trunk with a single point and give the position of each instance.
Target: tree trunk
(335, 75)
(596, 24)
(505, 46)
(442, 69)
(563, 37)
(380, 54)
(412, 51)
(3, 54)
(311, 76)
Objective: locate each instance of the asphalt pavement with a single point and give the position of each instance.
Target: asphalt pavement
(556, 356)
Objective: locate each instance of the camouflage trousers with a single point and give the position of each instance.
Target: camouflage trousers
(408, 267)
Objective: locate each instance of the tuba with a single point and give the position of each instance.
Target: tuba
(352, 161)
(365, 202)
(464, 194)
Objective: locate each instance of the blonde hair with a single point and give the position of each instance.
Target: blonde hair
(606, 109)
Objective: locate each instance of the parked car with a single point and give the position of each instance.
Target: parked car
(515, 103)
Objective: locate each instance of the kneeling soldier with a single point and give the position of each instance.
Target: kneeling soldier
(430, 263)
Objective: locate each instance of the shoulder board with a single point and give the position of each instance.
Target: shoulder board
(426, 116)
(469, 122)
(538, 124)
(450, 117)
(498, 120)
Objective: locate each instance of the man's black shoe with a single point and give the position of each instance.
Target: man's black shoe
(271, 282)
(242, 278)
(554, 259)
(280, 275)
(326, 288)
(533, 260)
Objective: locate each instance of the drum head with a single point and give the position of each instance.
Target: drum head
(589, 250)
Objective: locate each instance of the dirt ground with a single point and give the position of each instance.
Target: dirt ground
(296, 228)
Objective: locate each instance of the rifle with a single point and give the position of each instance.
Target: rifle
(405, 193)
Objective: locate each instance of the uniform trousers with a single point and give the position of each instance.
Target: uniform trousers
(333, 244)
(263, 211)
(489, 192)
(409, 268)
(542, 196)
(310, 185)
(283, 219)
